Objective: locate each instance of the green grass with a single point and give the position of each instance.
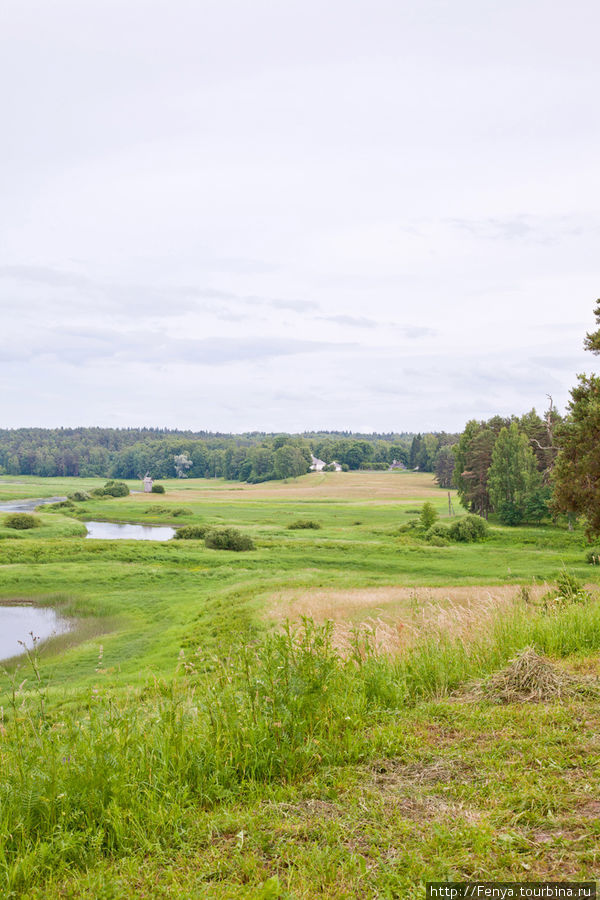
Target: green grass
(174, 745)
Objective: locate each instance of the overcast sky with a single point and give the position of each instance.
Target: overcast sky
(288, 215)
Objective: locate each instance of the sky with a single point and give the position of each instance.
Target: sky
(369, 215)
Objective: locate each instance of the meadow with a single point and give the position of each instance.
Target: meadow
(288, 721)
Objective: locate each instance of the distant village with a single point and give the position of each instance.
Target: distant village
(318, 465)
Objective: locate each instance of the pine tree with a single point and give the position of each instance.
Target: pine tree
(577, 472)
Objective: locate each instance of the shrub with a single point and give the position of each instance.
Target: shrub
(158, 488)
(509, 513)
(79, 496)
(191, 532)
(61, 504)
(428, 516)
(228, 539)
(116, 489)
(593, 556)
(468, 529)
(411, 525)
(180, 511)
(438, 534)
(21, 521)
(304, 523)
(568, 590)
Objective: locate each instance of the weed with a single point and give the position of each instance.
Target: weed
(304, 523)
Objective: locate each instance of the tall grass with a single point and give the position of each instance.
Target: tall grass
(120, 772)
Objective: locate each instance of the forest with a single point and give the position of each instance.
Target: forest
(252, 457)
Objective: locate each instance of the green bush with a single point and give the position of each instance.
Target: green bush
(510, 513)
(228, 539)
(438, 534)
(468, 529)
(411, 525)
(79, 496)
(21, 521)
(304, 523)
(191, 532)
(428, 515)
(593, 556)
(180, 511)
(116, 489)
(158, 488)
(61, 504)
(568, 590)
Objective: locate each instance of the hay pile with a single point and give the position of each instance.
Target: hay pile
(530, 678)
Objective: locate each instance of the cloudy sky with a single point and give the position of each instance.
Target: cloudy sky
(290, 214)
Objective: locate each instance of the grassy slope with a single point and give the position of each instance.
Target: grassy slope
(447, 790)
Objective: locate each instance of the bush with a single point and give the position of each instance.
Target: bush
(191, 532)
(411, 525)
(158, 488)
(509, 513)
(304, 523)
(180, 511)
(468, 529)
(568, 590)
(116, 489)
(61, 504)
(427, 516)
(438, 534)
(228, 539)
(80, 496)
(21, 521)
(593, 556)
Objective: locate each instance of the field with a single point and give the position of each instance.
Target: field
(180, 743)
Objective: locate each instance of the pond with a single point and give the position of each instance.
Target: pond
(17, 623)
(110, 531)
(27, 505)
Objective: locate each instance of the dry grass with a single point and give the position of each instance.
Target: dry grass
(394, 617)
(530, 678)
(360, 486)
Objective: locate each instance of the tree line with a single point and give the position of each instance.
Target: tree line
(131, 452)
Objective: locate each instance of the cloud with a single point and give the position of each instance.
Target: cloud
(126, 299)
(409, 331)
(352, 321)
(545, 230)
(80, 347)
(42, 275)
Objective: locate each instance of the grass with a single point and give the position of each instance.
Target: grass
(180, 744)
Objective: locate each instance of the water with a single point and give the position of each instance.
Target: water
(16, 623)
(110, 531)
(27, 505)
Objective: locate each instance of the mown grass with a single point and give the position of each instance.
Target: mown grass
(267, 764)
